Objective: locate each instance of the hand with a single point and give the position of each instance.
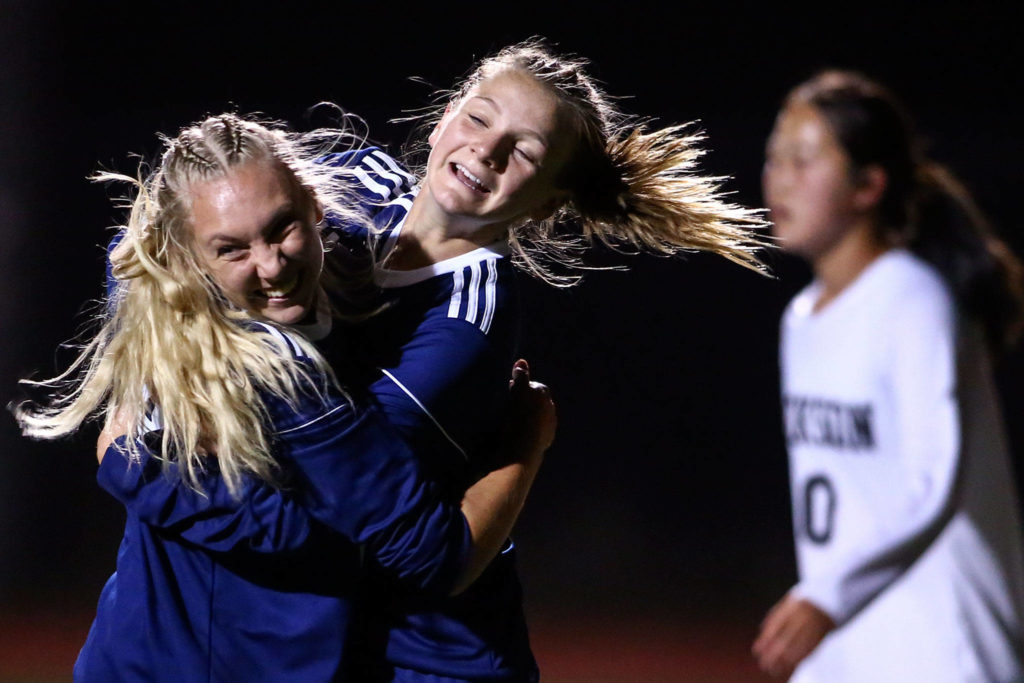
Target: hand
(790, 632)
(115, 427)
(532, 416)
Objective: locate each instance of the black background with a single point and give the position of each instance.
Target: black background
(666, 492)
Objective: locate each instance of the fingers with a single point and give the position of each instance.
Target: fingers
(770, 626)
(520, 372)
(771, 646)
(790, 632)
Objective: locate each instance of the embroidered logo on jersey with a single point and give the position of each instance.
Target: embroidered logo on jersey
(473, 294)
(822, 422)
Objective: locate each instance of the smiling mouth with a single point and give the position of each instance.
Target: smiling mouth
(281, 290)
(468, 179)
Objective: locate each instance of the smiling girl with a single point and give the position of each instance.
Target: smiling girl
(905, 514)
(528, 163)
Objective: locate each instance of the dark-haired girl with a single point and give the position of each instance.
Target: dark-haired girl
(905, 514)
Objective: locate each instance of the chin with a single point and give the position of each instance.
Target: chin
(292, 315)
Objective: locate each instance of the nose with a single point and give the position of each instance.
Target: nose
(492, 149)
(269, 261)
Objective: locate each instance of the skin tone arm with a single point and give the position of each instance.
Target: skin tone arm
(492, 505)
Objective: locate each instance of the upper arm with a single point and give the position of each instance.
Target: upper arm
(446, 386)
(261, 518)
(923, 370)
(371, 173)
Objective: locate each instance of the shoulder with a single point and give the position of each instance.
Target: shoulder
(907, 271)
(801, 305)
(374, 174)
(911, 288)
(480, 291)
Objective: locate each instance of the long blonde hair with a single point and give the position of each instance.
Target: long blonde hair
(171, 340)
(628, 187)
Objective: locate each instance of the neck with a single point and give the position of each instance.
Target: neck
(841, 265)
(431, 235)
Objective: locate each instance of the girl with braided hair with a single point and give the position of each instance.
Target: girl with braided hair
(906, 520)
(276, 481)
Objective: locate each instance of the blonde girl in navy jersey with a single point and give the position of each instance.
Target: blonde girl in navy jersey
(905, 515)
(276, 484)
(529, 162)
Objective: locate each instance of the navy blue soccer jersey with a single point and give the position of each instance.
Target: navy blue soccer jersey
(210, 588)
(444, 347)
(436, 360)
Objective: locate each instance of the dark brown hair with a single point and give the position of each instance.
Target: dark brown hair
(924, 207)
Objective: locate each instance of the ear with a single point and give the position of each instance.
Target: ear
(871, 184)
(439, 126)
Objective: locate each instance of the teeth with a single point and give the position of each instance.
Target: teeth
(469, 175)
(282, 290)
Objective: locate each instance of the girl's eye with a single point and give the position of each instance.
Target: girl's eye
(523, 154)
(476, 119)
(229, 251)
(283, 231)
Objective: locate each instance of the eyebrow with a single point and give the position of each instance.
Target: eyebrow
(528, 131)
(285, 214)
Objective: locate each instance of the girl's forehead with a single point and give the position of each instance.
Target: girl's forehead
(524, 100)
(802, 125)
(516, 84)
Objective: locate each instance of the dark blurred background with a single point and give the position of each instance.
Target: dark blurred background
(658, 533)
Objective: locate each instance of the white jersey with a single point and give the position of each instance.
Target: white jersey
(905, 515)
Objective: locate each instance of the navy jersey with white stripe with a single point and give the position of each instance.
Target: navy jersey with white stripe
(444, 348)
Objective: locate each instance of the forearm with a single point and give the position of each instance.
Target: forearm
(491, 507)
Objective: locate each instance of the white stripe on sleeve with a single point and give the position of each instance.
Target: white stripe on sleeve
(456, 301)
(394, 166)
(474, 292)
(490, 294)
(379, 169)
(371, 184)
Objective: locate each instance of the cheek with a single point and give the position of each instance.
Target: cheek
(233, 279)
(828, 197)
(532, 187)
(305, 246)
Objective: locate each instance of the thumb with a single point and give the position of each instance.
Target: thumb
(520, 372)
